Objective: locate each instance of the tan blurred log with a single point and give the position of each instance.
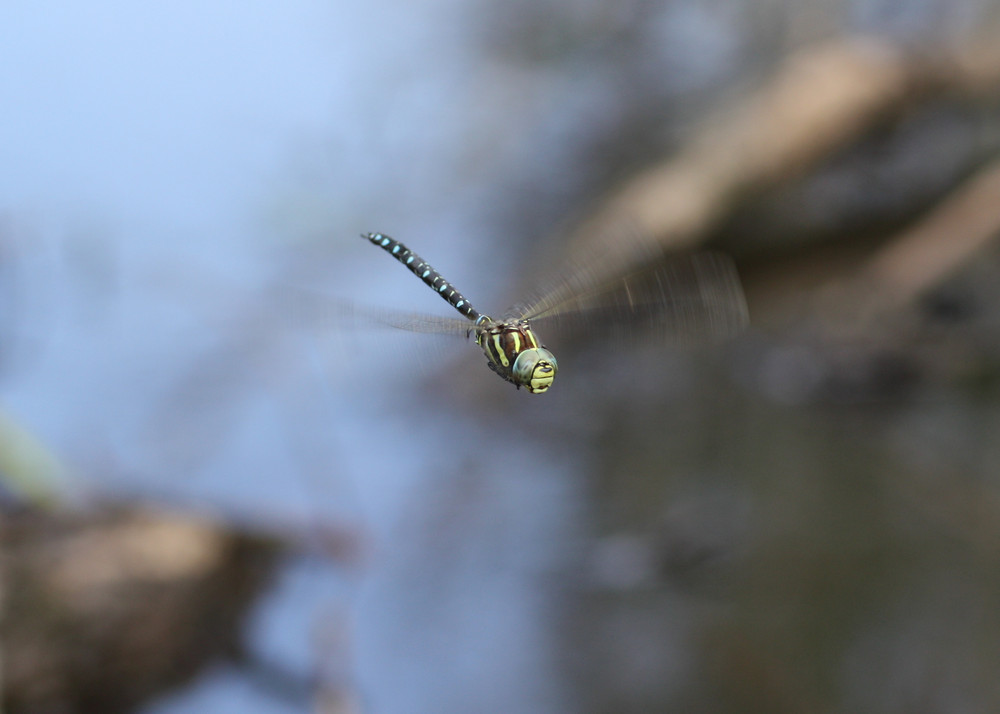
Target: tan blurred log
(107, 608)
(850, 291)
(820, 102)
(940, 244)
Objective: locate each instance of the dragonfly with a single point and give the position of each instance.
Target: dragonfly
(696, 296)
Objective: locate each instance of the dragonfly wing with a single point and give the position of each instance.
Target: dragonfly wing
(314, 309)
(697, 297)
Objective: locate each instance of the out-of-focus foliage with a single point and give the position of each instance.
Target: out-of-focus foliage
(28, 470)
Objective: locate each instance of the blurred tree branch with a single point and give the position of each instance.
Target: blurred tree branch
(821, 101)
(919, 258)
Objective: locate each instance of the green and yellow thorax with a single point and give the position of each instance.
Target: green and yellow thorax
(514, 353)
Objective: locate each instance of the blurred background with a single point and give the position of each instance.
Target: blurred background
(215, 503)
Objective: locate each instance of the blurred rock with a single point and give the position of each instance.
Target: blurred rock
(109, 607)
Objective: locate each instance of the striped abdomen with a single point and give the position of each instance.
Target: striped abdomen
(419, 267)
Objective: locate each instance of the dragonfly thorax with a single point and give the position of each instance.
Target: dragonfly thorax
(513, 352)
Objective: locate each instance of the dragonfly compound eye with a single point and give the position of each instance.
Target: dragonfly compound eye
(535, 369)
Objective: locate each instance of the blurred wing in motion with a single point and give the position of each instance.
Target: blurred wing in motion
(687, 298)
(253, 351)
(316, 310)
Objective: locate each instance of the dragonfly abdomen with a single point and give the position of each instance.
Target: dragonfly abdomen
(512, 351)
(422, 269)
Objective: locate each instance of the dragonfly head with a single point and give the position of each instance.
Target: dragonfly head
(534, 369)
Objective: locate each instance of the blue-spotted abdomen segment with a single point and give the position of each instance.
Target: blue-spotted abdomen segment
(422, 269)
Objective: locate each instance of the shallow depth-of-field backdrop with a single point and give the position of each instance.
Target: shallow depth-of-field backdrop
(216, 497)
